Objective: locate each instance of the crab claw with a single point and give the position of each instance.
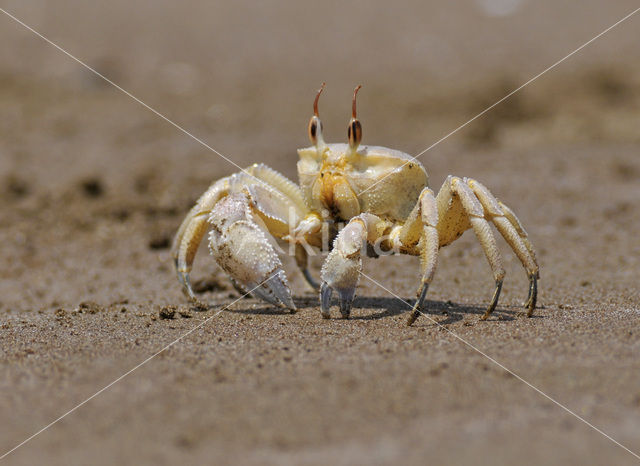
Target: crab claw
(341, 270)
(242, 249)
(274, 290)
(346, 300)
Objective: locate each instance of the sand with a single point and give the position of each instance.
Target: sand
(94, 186)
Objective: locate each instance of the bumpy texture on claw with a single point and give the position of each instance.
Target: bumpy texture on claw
(267, 202)
(242, 249)
(341, 270)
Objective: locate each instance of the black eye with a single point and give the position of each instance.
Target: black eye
(314, 123)
(354, 132)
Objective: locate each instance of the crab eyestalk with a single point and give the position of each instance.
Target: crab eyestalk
(315, 125)
(354, 132)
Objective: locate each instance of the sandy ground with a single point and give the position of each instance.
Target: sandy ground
(93, 186)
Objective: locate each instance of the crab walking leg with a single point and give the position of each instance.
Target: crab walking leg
(241, 248)
(494, 210)
(421, 229)
(192, 230)
(510, 235)
(341, 270)
(302, 259)
(475, 213)
(530, 303)
(508, 213)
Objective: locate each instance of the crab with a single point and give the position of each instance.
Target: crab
(380, 195)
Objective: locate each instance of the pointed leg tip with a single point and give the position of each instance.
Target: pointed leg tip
(185, 281)
(419, 305)
(494, 301)
(488, 312)
(190, 294)
(530, 307)
(530, 310)
(412, 318)
(532, 298)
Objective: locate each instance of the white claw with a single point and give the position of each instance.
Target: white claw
(341, 270)
(275, 290)
(243, 250)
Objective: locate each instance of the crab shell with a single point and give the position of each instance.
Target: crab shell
(395, 180)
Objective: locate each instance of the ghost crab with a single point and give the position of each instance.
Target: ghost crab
(383, 196)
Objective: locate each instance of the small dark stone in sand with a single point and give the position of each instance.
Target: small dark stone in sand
(92, 187)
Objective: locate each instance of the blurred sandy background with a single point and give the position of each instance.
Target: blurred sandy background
(93, 186)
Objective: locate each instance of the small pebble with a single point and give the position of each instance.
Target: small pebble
(167, 312)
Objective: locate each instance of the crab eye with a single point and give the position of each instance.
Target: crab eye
(314, 125)
(354, 132)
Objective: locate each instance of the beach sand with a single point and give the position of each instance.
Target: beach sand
(94, 186)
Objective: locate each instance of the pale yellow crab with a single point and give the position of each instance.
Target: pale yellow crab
(381, 194)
